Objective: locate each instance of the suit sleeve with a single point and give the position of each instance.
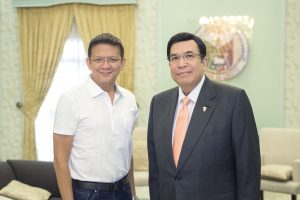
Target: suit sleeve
(246, 148)
(153, 168)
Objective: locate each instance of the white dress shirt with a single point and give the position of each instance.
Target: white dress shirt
(101, 130)
(193, 96)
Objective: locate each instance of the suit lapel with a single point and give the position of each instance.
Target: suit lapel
(169, 107)
(199, 120)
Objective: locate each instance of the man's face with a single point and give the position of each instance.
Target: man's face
(105, 64)
(185, 65)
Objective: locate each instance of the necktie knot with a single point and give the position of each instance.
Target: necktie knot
(186, 101)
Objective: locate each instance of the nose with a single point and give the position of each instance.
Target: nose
(182, 61)
(105, 63)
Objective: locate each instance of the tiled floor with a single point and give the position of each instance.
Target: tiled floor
(143, 194)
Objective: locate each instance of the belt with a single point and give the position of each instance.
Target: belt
(112, 187)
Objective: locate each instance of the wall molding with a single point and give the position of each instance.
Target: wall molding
(46, 3)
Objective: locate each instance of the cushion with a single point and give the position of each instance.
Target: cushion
(4, 198)
(141, 178)
(20, 191)
(276, 172)
(140, 155)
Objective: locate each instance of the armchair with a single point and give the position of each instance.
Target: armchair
(280, 158)
(140, 162)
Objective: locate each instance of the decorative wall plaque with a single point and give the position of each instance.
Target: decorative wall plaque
(227, 44)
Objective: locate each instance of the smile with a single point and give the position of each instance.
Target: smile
(183, 73)
(105, 73)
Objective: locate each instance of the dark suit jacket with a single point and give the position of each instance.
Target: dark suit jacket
(220, 157)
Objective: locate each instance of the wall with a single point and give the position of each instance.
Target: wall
(292, 65)
(146, 56)
(263, 76)
(1, 77)
(10, 83)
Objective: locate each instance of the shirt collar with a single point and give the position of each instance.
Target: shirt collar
(96, 90)
(193, 96)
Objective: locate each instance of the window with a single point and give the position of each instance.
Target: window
(70, 71)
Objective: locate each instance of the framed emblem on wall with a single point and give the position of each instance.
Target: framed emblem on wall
(227, 42)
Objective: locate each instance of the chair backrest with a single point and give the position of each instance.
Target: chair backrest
(140, 155)
(6, 174)
(37, 174)
(279, 145)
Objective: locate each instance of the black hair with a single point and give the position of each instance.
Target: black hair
(106, 38)
(184, 36)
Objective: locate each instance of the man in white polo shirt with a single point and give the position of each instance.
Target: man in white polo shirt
(92, 130)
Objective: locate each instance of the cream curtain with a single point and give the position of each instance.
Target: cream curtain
(93, 20)
(43, 32)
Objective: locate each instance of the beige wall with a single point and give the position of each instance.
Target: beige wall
(146, 56)
(292, 65)
(10, 84)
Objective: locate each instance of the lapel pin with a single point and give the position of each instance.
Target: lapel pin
(204, 108)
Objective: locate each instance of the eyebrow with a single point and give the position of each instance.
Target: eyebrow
(175, 54)
(105, 57)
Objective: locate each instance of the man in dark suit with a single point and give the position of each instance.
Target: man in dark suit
(217, 154)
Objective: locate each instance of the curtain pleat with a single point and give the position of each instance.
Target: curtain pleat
(43, 32)
(93, 20)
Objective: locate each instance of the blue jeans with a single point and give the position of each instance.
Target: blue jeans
(124, 193)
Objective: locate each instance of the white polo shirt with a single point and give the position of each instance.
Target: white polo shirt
(102, 148)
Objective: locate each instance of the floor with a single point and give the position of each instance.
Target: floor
(143, 194)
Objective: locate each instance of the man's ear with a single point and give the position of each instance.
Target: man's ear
(205, 62)
(123, 62)
(88, 63)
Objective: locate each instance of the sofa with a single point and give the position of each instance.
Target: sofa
(34, 173)
(280, 159)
